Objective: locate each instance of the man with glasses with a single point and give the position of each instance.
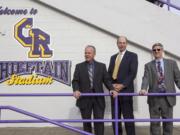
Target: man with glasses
(160, 76)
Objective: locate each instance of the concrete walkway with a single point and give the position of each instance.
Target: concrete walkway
(61, 131)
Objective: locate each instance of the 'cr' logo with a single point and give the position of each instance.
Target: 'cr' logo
(36, 39)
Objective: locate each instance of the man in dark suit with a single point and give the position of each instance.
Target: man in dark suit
(123, 69)
(160, 76)
(89, 77)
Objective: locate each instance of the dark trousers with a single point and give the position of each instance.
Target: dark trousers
(98, 113)
(125, 108)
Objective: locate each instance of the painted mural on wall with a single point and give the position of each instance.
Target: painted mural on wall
(44, 70)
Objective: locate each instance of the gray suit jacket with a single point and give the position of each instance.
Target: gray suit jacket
(172, 77)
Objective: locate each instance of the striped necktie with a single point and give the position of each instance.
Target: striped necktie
(116, 67)
(90, 72)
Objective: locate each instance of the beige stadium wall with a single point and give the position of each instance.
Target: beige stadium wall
(68, 38)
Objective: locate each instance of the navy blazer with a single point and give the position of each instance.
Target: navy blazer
(127, 70)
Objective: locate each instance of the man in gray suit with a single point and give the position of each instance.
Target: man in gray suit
(160, 76)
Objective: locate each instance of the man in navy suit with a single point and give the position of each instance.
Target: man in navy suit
(123, 69)
(89, 77)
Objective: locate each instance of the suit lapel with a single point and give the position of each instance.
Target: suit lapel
(95, 70)
(123, 63)
(166, 69)
(124, 59)
(85, 69)
(154, 70)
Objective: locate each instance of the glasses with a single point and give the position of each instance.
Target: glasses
(156, 50)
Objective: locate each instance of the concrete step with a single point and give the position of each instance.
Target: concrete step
(61, 131)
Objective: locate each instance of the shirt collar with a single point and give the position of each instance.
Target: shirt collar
(91, 62)
(122, 53)
(159, 60)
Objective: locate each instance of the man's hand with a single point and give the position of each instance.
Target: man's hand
(77, 94)
(143, 92)
(118, 87)
(114, 93)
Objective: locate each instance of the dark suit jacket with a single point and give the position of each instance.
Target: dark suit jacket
(172, 76)
(81, 82)
(127, 70)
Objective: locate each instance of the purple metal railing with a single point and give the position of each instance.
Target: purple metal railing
(59, 122)
(83, 94)
(92, 120)
(44, 119)
(169, 4)
(116, 115)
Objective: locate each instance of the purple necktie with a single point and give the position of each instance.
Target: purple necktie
(161, 85)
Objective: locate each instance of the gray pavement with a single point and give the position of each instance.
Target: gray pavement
(61, 131)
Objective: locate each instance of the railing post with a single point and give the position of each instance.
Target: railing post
(0, 113)
(168, 4)
(116, 115)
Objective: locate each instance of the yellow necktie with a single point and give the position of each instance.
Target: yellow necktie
(116, 67)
